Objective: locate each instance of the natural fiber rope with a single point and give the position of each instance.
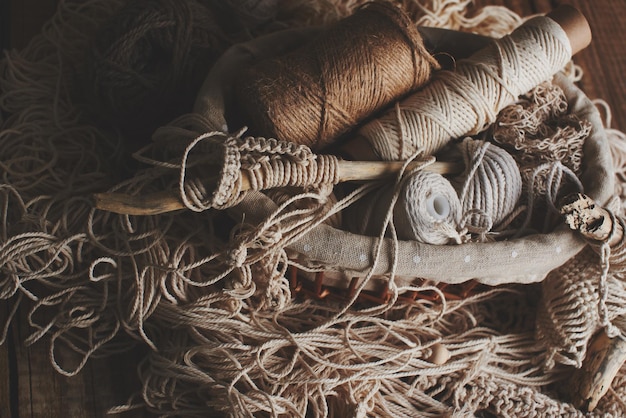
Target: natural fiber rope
(490, 187)
(538, 128)
(414, 215)
(267, 163)
(412, 202)
(577, 301)
(482, 198)
(320, 91)
(467, 100)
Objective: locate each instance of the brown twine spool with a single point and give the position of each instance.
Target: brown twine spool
(148, 61)
(316, 93)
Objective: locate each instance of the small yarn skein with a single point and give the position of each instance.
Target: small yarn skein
(490, 187)
(427, 210)
(321, 90)
(467, 100)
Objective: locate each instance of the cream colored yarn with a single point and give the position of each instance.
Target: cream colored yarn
(409, 210)
(490, 187)
(465, 101)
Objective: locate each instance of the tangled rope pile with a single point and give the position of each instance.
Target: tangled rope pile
(209, 296)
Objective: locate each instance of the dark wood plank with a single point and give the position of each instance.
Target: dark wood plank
(39, 391)
(604, 61)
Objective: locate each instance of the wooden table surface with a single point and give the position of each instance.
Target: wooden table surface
(29, 386)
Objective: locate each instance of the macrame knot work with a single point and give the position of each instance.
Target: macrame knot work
(251, 163)
(237, 256)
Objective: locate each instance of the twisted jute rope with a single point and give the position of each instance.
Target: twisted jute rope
(354, 68)
(467, 100)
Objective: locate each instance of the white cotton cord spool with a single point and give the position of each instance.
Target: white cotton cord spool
(427, 209)
(490, 187)
(467, 100)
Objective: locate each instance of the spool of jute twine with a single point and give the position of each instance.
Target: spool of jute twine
(490, 187)
(465, 101)
(321, 90)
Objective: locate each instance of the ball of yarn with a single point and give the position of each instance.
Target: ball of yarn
(490, 186)
(147, 62)
(321, 90)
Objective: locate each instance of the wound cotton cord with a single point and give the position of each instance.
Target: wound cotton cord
(430, 209)
(320, 91)
(427, 210)
(466, 101)
(490, 187)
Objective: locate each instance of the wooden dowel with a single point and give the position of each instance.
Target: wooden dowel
(169, 201)
(594, 222)
(373, 170)
(575, 26)
(605, 357)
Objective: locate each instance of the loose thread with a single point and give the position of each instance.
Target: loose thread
(175, 277)
(603, 291)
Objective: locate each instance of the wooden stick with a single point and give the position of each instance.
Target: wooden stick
(594, 222)
(605, 357)
(575, 26)
(169, 201)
